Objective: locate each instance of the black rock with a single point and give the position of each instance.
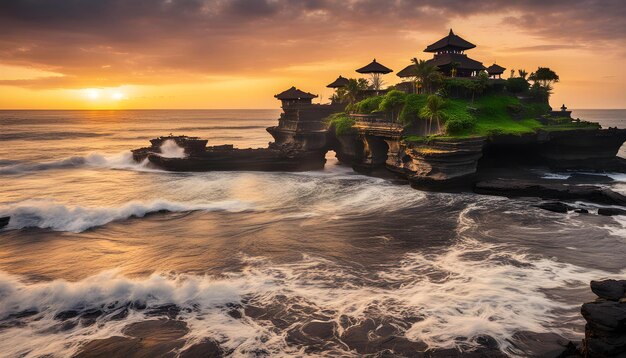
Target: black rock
(609, 289)
(605, 315)
(611, 211)
(581, 211)
(487, 342)
(555, 206)
(598, 348)
(4, 221)
(549, 191)
(234, 313)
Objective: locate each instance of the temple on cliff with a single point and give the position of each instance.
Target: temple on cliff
(450, 58)
(301, 121)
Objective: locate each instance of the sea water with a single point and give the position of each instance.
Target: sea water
(253, 260)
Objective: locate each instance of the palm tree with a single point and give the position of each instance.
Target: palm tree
(426, 74)
(352, 89)
(433, 111)
(480, 84)
(522, 73)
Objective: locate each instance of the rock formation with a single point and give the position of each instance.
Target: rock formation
(438, 164)
(605, 331)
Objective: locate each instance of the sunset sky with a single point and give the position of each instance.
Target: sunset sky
(86, 54)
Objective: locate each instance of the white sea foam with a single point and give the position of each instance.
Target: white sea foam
(51, 215)
(473, 297)
(169, 149)
(467, 290)
(123, 160)
(555, 176)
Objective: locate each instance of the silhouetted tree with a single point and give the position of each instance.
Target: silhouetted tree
(352, 89)
(426, 74)
(544, 76)
(522, 73)
(543, 79)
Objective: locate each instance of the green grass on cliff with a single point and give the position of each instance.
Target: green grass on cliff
(340, 123)
(501, 114)
(492, 114)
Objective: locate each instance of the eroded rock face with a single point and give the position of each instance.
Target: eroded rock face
(437, 164)
(584, 149)
(303, 125)
(605, 331)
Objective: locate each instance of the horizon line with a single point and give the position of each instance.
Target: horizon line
(209, 109)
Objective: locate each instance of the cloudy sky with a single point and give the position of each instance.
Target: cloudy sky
(239, 53)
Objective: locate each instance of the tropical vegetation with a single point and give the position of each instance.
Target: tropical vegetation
(460, 107)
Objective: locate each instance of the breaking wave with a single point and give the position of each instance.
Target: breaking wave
(122, 160)
(169, 149)
(438, 301)
(59, 217)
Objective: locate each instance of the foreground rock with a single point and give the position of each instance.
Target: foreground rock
(556, 207)
(611, 211)
(605, 331)
(541, 189)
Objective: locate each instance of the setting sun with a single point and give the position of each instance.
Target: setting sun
(92, 93)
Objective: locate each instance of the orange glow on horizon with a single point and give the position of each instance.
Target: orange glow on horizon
(588, 79)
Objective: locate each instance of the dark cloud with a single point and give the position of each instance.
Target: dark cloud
(110, 42)
(554, 47)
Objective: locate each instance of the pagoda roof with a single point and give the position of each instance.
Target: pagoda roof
(452, 40)
(408, 71)
(339, 82)
(294, 93)
(374, 67)
(495, 69)
(464, 62)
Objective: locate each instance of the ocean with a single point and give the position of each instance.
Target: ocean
(327, 262)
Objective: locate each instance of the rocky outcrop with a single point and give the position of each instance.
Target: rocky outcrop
(301, 142)
(584, 149)
(545, 190)
(437, 164)
(605, 331)
(581, 149)
(284, 158)
(611, 211)
(303, 124)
